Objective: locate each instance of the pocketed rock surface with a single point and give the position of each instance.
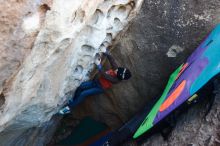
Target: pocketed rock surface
(47, 49)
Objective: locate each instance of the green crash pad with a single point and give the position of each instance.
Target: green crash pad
(86, 130)
(148, 122)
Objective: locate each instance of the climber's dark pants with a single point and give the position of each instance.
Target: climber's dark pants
(85, 89)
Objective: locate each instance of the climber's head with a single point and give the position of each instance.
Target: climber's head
(123, 73)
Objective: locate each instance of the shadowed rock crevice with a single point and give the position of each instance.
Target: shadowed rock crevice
(2, 100)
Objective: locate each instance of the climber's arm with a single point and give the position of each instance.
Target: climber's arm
(111, 61)
(107, 76)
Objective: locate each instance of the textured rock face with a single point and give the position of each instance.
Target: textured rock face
(15, 42)
(48, 50)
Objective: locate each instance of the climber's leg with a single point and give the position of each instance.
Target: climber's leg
(84, 94)
(89, 88)
(84, 86)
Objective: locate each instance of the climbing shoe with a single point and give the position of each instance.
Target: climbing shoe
(64, 110)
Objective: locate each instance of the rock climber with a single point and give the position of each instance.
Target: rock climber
(97, 86)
